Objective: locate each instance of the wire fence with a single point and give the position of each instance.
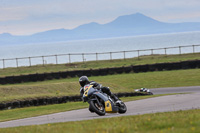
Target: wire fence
(83, 57)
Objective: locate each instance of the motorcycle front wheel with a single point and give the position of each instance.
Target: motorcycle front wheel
(122, 108)
(97, 108)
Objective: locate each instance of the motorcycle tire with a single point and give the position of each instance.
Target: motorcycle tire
(98, 109)
(90, 109)
(150, 93)
(122, 108)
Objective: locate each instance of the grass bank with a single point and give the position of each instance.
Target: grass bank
(150, 59)
(117, 83)
(176, 122)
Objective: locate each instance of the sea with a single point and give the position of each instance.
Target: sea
(97, 49)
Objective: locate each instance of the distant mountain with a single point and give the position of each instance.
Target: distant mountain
(128, 25)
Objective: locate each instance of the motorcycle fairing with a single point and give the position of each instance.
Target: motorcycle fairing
(86, 89)
(109, 105)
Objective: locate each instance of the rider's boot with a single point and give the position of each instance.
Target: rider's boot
(115, 98)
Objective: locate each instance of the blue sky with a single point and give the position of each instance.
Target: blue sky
(25, 17)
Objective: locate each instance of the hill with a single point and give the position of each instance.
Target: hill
(128, 25)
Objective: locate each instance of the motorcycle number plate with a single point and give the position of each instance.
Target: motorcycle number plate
(86, 89)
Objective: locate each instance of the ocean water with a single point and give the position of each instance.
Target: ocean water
(76, 48)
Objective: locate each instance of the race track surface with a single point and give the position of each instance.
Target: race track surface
(151, 105)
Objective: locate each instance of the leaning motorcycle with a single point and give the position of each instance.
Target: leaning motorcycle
(101, 103)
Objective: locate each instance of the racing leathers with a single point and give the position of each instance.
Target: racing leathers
(100, 87)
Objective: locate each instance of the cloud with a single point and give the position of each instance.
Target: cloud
(8, 14)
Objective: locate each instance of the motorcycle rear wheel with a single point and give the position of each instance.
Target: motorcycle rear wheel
(97, 108)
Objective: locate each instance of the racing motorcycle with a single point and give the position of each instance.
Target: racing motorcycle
(144, 90)
(100, 102)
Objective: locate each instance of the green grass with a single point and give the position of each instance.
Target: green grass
(26, 112)
(151, 59)
(117, 83)
(20, 113)
(176, 122)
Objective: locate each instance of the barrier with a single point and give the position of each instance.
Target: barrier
(57, 100)
(101, 72)
(82, 57)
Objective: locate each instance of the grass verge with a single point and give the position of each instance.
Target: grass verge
(176, 122)
(20, 113)
(150, 59)
(117, 83)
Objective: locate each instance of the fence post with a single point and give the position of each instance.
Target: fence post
(43, 60)
(83, 57)
(3, 63)
(110, 55)
(17, 62)
(69, 59)
(56, 59)
(193, 49)
(124, 55)
(29, 61)
(96, 56)
(165, 51)
(151, 51)
(180, 50)
(138, 54)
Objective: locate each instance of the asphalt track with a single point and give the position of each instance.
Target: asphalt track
(151, 105)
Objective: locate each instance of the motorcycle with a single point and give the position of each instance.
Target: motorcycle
(144, 90)
(100, 102)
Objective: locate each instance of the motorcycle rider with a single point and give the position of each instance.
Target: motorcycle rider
(83, 80)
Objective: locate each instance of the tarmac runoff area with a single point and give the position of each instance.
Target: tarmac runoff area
(145, 106)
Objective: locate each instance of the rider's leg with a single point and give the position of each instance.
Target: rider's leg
(114, 97)
(108, 92)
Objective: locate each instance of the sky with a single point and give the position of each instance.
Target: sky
(26, 17)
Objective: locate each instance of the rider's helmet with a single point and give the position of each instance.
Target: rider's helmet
(83, 80)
